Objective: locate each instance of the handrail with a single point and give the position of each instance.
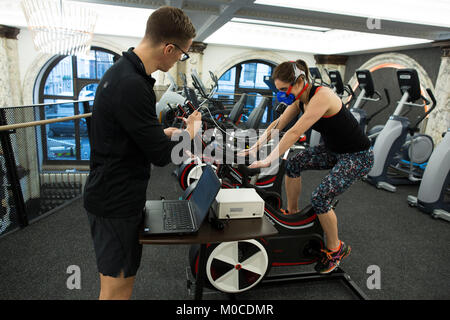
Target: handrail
(43, 122)
(47, 104)
(240, 94)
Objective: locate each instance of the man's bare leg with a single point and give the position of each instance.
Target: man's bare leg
(116, 288)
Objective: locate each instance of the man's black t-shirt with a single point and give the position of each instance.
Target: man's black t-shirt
(126, 137)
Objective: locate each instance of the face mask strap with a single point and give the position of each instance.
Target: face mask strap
(303, 90)
(289, 90)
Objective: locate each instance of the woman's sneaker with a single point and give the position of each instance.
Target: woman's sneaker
(331, 259)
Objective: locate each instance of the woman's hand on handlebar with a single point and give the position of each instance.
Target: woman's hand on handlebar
(260, 164)
(252, 152)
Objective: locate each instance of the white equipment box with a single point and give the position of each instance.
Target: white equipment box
(238, 203)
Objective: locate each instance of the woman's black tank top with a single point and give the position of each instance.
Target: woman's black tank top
(341, 132)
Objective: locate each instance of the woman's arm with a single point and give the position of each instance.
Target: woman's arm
(317, 107)
(279, 124)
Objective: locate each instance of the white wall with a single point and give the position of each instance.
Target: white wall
(31, 61)
(218, 58)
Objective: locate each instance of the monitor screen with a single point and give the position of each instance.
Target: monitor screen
(205, 192)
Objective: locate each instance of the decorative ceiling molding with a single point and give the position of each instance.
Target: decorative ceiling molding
(331, 59)
(198, 47)
(9, 32)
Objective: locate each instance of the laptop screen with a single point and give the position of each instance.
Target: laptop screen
(205, 192)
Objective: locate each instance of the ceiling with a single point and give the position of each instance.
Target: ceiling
(250, 23)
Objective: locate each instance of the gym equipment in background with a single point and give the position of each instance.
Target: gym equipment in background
(336, 83)
(367, 93)
(389, 168)
(170, 96)
(435, 185)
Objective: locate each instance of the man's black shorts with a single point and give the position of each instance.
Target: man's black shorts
(116, 244)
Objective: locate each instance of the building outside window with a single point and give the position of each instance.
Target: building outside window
(70, 78)
(247, 77)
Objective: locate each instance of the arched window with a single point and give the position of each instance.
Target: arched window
(247, 77)
(69, 78)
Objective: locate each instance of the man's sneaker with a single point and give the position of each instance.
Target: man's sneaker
(331, 259)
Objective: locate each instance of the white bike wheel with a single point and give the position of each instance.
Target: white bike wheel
(196, 172)
(234, 267)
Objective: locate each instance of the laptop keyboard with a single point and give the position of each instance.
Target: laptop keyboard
(177, 216)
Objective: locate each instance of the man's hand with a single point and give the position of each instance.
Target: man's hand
(171, 130)
(195, 116)
(194, 123)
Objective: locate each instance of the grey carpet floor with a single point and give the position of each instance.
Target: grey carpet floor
(410, 248)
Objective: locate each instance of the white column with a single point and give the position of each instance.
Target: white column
(10, 93)
(439, 118)
(194, 62)
(24, 140)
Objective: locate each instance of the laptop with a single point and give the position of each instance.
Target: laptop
(182, 216)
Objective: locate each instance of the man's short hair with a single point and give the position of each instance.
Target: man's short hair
(169, 24)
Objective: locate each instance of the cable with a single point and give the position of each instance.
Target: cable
(218, 126)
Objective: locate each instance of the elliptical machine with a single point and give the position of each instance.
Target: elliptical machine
(435, 183)
(367, 93)
(389, 169)
(336, 83)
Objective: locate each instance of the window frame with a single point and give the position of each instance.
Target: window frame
(77, 86)
(238, 91)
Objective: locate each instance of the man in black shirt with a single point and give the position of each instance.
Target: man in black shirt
(126, 138)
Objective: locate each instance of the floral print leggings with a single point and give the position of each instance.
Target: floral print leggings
(346, 168)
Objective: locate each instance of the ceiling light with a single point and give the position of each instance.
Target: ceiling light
(60, 27)
(280, 24)
(288, 39)
(430, 12)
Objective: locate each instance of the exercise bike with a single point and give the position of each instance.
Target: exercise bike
(299, 242)
(396, 162)
(232, 174)
(235, 267)
(238, 266)
(191, 169)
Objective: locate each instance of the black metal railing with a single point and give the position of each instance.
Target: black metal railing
(32, 183)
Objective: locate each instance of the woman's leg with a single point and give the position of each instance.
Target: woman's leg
(315, 158)
(293, 191)
(329, 224)
(347, 170)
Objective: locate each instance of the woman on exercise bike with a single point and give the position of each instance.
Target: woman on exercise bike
(346, 150)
